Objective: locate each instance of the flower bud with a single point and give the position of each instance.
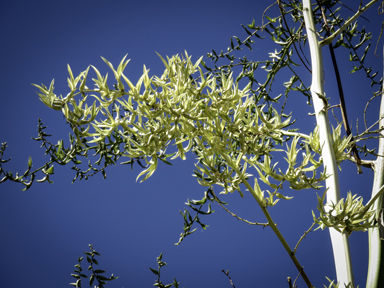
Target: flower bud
(57, 104)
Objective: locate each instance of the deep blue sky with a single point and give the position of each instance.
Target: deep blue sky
(45, 229)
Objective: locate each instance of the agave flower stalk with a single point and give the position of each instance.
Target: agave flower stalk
(340, 244)
(375, 277)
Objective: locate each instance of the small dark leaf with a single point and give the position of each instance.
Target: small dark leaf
(252, 26)
(246, 30)
(91, 279)
(248, 45)
(355, 69)
(197, 202)
(338, 43)
(29, 161)
(76, 276)
(154, 271)
(165, 161)
(99, 271)
(4, 178)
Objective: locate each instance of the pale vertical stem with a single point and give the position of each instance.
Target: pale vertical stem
(375, 277)
(340, 244)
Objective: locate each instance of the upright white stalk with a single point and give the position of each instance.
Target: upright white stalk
(339, 241)
(375, 277)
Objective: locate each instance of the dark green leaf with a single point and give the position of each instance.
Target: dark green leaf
(252, 26)
(246, 30)
(154, 271)
(338, 43)
(99, 271)
(355, 69)
(91, 279)
(165, 161)
(29, 161)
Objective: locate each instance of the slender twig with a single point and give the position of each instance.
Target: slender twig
(333, 113)
(349, 8)
(302, 237)
(293, 71)
(294, 285)
(301, 47)
(367, 130)
(237, 217)
(382, 25)
(294, 134)
(366, 108)
(262, 17)
(229, 277)
(287, 27)
(334, 106)
(370, 127)
(378, 39)
(253, 33)
(289, 280)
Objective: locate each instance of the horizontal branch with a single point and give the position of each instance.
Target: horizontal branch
(329, 39)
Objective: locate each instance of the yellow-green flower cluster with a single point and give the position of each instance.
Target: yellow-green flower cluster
(347, 215)
(224, 126)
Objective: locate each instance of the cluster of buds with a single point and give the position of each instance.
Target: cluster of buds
(347, 215)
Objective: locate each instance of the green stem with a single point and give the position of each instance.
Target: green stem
(262, 203)
(294, 134)
(339, 241)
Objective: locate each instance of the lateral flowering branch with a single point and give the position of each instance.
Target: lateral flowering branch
(222, 124)
(176, 110)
